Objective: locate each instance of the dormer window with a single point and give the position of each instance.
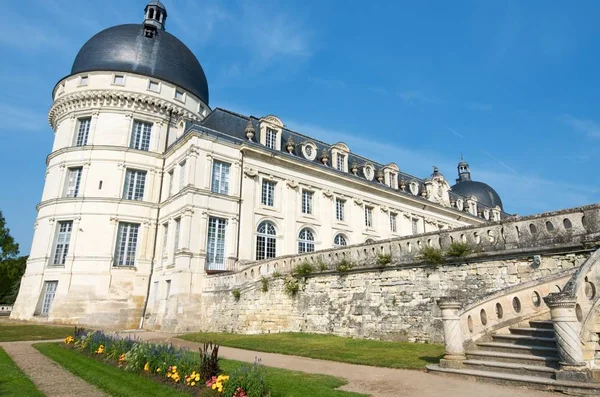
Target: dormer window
(119, 79)
(271, 138)
(309, 150)
(83, 80)
(179, 95)
(154, 86)
(271, 129)
(369, 172)
(340, 162)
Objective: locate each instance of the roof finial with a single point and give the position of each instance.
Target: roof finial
(155, 16)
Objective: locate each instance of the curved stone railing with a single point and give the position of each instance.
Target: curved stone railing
(552, 231)
(510, 306)
(581, 303)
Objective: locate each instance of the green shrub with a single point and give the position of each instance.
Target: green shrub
(236, 294)
(384, 259)
(459, 249)
(322, 266)
(432, 255)
(291, 286)
(276, 274)
(265, 284)
(304, 269)
(250, 378)
(344, 266)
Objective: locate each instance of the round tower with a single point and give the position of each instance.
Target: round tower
(113, 117)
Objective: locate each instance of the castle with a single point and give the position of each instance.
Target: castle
(148, 190)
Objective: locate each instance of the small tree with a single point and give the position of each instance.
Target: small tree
(12, 266)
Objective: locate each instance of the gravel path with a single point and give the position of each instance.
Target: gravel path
(378, 382)
(49, 377)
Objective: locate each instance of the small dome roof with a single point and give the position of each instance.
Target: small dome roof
(468, 188)
(125, 48)
(484, 193)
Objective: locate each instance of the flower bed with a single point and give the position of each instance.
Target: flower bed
(198, 374)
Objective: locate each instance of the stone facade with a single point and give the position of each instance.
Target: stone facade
(396, 301)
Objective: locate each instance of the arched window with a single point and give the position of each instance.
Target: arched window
(369, 241)
(306, 241)
(266, 244)
(339, 240)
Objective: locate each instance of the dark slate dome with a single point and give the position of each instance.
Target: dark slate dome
(485, 194)
(145, 49)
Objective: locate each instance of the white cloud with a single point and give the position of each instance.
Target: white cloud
(589, 127)
(16, 118)
(24, 35)
(520, 191)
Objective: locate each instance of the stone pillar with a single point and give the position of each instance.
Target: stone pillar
(453, 337)
(566, 331)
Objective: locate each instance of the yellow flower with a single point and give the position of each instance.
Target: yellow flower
(157, 369)
(174, 368)
(193, 383)
(197, 378)
(214, 386)
(146, 367)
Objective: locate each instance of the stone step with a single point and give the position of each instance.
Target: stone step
(529, 331)
(589, 389)
(546, 324)
(511, 368)
(512, 348)
(525, 340)
(524, 359)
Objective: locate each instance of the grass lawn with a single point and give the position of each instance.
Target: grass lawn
(118, 382)
(13, 382)
(330, 347)
(13, 332)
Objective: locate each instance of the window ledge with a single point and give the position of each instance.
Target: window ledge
(123, 267)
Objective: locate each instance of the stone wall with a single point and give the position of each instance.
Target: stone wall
(395, 301)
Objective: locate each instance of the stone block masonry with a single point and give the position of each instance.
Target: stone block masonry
(395, 301)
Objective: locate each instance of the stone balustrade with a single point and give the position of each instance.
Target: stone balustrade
(546, 232)
(510, 306)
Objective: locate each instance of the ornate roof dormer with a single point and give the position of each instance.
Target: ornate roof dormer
(155, 17)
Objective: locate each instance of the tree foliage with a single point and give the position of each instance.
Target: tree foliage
(12, 266)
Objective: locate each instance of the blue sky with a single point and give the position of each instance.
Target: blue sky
(512, 85)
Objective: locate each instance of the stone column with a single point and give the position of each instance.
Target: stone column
(566, 331)
(453, 337)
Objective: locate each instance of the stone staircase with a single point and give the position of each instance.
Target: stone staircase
(519, 356)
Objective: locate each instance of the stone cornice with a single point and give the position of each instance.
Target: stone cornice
(62, 200)
(109, 148)
(93, 99)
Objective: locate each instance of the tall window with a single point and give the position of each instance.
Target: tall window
(393, 218)
(266, 245)
(127, 239)
(220, 177)
(171, 175)
(339, 240)
(268, 193)
(135, 181)
(73, 180)
(306, 241)
(307, 202)
(177, 232)
(368, 216)
(181, 175)
(415, 226)
(62, 241)
(140, 136)
(165, 239)
(48, 296)
(339, 209)
(215, 247)
(83, 131)
(271, 139)
(341, 159)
